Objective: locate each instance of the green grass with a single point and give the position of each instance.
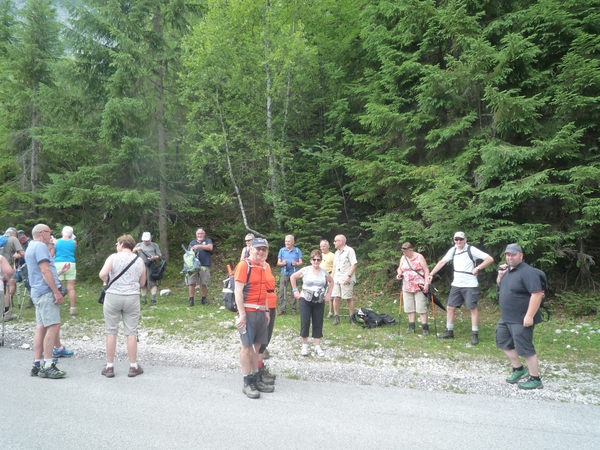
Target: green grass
(573, 342)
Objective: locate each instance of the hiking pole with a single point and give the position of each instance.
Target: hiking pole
(399, 311)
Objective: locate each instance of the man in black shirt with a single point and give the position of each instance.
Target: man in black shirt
(520, 300)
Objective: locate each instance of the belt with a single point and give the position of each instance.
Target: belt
(257, 307)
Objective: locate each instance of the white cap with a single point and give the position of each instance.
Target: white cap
(460, 234)
(146, 236)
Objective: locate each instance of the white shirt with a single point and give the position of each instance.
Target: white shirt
(462, 263)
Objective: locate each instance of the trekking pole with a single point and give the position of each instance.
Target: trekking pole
(399, 310)
(434, 315)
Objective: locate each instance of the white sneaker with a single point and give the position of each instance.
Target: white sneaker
(73, 311)
(319, 351)
(304, 351)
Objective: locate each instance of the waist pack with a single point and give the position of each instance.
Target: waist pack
(371, 319)
(314, 296)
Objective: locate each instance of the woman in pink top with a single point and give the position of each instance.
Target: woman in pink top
(413, 272)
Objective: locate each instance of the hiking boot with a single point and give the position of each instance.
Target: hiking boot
(30, 304)
(143, 300)
(268, 375)
(203, 300)
(51, 372)
(73, 311)
(191, 302)
(133, 372)
(153, 302)
(261, 386)
(262, 376)
(411, 328)
(330, 315)
(293, 312)
(61, 353)
(304, 351)
(8, 315)
(336, 319)
(448, 334)
(108, 372)
(280, 313)
(266, 354)
(474, 337)
(516, 375)
(319, 351)
(353, 319)
(532, 383)
(35, 370)
(250, 387)
(425, 329)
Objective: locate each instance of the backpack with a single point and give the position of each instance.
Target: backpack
(229, 291)
(3, 241)
(190, 262)
(157, 271)
(371, 319)
(544, 309)
(468, 250)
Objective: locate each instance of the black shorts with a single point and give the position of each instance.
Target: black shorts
(515, 335)
(467, 295)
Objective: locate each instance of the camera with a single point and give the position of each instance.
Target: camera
(502, 267)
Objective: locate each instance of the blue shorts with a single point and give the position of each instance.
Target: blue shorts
(47, 312)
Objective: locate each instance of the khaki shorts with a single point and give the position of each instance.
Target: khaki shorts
(202, 277)
(125, 306)
(344, 291)
(70, 274)
(414, 302)
(47, 312)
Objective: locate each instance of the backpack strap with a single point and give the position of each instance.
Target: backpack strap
(411, 268)
(468, 250)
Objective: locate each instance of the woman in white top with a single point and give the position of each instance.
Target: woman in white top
(122, 301)
(316, 289)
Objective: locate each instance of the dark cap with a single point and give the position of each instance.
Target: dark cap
(513, 248)
(20, 233)
(260, 242)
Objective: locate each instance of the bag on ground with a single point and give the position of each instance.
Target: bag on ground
(371, 319)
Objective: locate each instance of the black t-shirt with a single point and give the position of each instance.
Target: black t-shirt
(516, 287)
(202, 255)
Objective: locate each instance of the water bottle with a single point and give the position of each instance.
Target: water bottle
(241, 330)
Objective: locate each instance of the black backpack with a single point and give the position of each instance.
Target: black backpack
(544, 309)
(157, 270)
(229, 291)
(371, 319)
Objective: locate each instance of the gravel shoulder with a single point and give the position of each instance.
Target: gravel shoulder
(369, 367)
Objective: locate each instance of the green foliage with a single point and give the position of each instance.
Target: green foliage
(580, 305)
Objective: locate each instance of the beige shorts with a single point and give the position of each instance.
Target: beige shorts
(122, 306)
(344, 291)
(202, 277)
(414, 301)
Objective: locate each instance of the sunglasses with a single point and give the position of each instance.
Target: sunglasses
(459, 239)
(406, 249)
(316, 259)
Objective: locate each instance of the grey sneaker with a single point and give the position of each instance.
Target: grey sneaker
(330, 315)
(51, 372)
(250, 387)
(448, 334)
(474, 337)
(73, 311)
(34, 371)
(336, 319)
(517, 375)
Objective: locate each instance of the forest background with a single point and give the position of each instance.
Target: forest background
(387, 121)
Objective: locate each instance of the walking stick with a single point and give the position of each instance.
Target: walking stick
(399, 310)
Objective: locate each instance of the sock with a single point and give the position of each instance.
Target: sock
(254, 371)
(37, 362)
(192, 298)
(317, 347)
(475, 329)
(538, 378)
(154, 298)
(62, 347)
(6, 308)
(517, 369)
(450, 326)
(261, 364)
(134, 365)
(47, 363)
(143, 298)
(110, 364)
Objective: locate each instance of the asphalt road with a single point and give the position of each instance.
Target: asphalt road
(180, 408)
